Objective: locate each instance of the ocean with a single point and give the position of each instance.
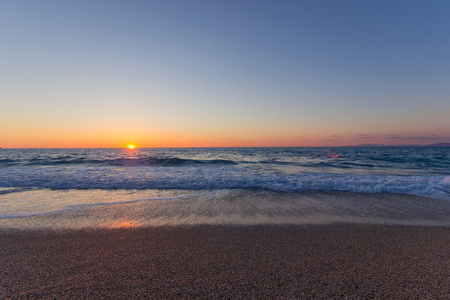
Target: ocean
(84, 188)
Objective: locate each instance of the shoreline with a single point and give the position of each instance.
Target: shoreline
(149, 208)
(235, 261)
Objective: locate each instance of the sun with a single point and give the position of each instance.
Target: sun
(131, 146)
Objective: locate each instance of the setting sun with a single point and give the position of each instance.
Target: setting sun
(131, 147)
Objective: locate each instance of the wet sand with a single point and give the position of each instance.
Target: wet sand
(207, 262)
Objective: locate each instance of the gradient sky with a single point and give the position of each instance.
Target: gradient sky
(223, 73)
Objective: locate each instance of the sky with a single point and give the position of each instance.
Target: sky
(77, 74)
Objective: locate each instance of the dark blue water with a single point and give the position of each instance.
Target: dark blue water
(421, 171)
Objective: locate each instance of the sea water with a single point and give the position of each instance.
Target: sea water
(78, 188)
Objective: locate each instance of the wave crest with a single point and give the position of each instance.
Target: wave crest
(193, 178)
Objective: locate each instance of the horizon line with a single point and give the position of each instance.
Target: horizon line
(192, 147)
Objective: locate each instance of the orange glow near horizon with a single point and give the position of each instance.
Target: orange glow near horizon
(58, 137)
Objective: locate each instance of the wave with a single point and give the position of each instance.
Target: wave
(414, 166)
(171, 161)
(8, 162)
(143, 161)
(417, 171)
(226, 178)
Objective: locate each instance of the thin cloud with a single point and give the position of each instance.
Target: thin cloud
(421, 138)
(365, 136)
(431, 137)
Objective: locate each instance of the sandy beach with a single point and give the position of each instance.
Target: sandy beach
(207, 262)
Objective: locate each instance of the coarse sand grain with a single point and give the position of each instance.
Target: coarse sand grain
(222, 262)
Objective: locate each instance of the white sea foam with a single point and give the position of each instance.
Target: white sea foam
(436, 186)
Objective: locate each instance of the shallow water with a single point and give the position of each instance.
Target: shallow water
(71, 209)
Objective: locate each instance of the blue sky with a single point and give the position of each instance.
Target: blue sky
(224, 73)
